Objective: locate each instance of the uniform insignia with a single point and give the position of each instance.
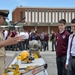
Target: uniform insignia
(57, 37)
(63, 36)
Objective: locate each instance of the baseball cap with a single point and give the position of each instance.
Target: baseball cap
(4, 13)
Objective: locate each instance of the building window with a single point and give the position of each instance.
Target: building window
(62, 14)
(53, 16)
(26, 16)
(59, 15)
(49, 16)
(46, 16)
(66, 16)
(56, 16)
(32, 16)
(29, 16)
(42, 16)
(21, 15)
(39, 16)
(72, 14)
(69, 16)
(36, 14)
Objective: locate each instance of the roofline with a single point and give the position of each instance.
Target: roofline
(47, 7)
(71, 8)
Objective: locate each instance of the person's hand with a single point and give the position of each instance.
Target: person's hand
(20, 38)
(14, 40)
(66, 66)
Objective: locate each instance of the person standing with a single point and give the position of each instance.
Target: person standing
(61, 47)
(52, 38)
(26, 40)
(22, 43)
(70, 61)
(9, 41)
(46, 39)
(42, 36)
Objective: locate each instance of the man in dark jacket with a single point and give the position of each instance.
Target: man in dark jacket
(61, 47)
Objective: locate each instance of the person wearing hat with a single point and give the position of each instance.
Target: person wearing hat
(10, 40)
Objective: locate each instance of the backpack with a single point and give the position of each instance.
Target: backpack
(42, 36)
(33, 36)
(52, 36)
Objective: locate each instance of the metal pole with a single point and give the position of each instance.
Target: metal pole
(17, 23)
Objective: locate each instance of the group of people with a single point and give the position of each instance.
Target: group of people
(43, 38)
(65, 48)
(20, 45)
(63, 42)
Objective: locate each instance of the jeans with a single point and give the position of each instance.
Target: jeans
(61, 70)
(27, 44)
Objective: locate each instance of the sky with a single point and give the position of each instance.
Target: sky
(12, 4)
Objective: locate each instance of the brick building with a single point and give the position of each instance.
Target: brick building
(39, 18)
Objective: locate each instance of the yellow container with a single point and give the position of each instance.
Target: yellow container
(19, 57)
(19, 60)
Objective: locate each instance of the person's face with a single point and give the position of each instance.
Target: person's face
(61, 27)
(73, 27)
(2, 20)
(52, 31)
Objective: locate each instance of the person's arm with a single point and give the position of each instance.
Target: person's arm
(68, 53)
(11, 41)
(3, 43)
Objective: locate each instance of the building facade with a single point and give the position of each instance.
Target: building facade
(42, 18)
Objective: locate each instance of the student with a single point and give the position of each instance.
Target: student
(52, 38)
(9, 41)
(70, 62)
(61, 47)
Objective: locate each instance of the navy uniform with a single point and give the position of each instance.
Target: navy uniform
(4, 14)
